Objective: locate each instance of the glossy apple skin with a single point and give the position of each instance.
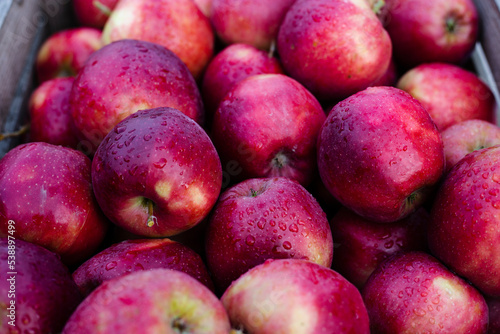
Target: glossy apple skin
(230, 66)
(43, 291)
(87, 14)
(178, 25)
(413, 291)
(50, 113)
(268, 125)
(65, 52)
(158, 155)
(150, 301)
(450, 93)
(361, 245)
(126, 76)
(295, 296)
(494, 309)
(380, 154)
(265, 218)
(342, 43)
(254, 23)
(465, 219)
(468, 136)
(47, 191)
(419, 34)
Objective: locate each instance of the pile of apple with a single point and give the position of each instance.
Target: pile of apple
(231, 166)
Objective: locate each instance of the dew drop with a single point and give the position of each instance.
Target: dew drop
(293, 228)
(160, 163)
(111, 265)
(120, 129)
(147, 137)
(287, 245)
(250, 240)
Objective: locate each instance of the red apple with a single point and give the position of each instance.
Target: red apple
(465, 220)
(205, 6)
(389, 78)
(494, 309)
(178, 25)
(361, 245)
(46, 190)
(380, 154)
(267, 126)
(335, 48)
(50, 114)
(450, 93)
(294, 296)
(65, 52)
(126, 76)
(468, 136)
(424, 31)
(265, 218)
(255, 22)
(231, 65)
(151, 301)
(414, 292)
(156, 173)
(93, 13)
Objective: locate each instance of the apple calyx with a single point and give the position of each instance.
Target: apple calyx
(279, 161)
(415, 200)
(239, 330)
(102, 8)
(152, 220)
(451, 24)
(179, 326)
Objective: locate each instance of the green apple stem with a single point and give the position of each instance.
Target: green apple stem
(451, 24)
(151, 218)
(102, 8)
(377, 6)
(17, 133)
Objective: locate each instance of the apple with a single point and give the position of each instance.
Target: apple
(37, 293)
(294, 296)
(157, 173)
(494, 309)
(133, 255)
(468, 136)
(150, 301)
(465, 220)
(65, 52)
(380, 154)
(414, 292)
(450, 93)
(361, 245)
(267, 126)
(124, 77)
(47, 191)
(178, 25)
(255, 23)
(335, 48)
(50, 117)
(205, 6)
(93, 13)
(265, 218)
(425, 31)
(389, 78)
(231, 65)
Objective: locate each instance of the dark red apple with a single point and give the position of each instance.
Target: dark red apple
(205, 6)
(93, 13)
(389, 78)
(494, 308)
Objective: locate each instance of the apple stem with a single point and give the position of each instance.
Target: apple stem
(272, 49)
(151, 218)
(253, 192)
(102, 8)
(18, 133)
(450, 24)
(378, 6)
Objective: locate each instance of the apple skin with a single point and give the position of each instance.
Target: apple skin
(468, 136)
(47, 191)
(361, 245)
(494, 309)
(267, 125)
(294, 296)
(425, 31)
(465, 218)
(205, 6)
(380, 154)
(124, 77)
(230, 66)
(50, 114)
(413, 291)
(134, 255)
(65, 52)
(254, 23)
(265, 218)
(324, 45)
(178, 25)
(93, 13)
(160, 157)
(450, 93)
(150, 301)
(389, 78)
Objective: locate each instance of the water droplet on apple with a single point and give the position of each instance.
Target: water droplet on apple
(160, 163)
(261, 224)
(250, 240)
(287, 245)
(147, 137)
(389, 244)
(111, 265)
(294, 228)
(282, 226)
(120, 129)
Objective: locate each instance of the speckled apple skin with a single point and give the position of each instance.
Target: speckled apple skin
(295, 296)
(88, 14)
(162, 155)
(126, 76)
(47, 191)
(413, 291)
(178, 25)
(282, 221)
(449, 93)
(334, 48)
(465, 220)
(45, 293)
(149, 302)
(142, 254)
(377, 148)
